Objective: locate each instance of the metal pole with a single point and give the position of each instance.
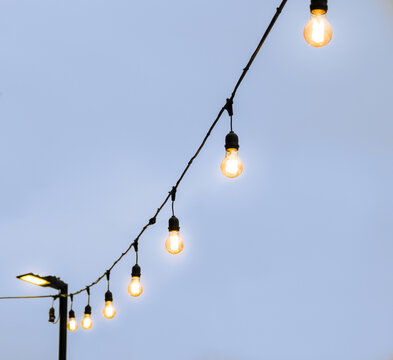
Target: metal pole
(63, 322)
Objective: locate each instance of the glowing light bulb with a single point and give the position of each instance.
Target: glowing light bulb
(318, 32)
(174, 243)
(135, 288)
(86, 322)
(109, 310)
(232, 166)
(72, 323)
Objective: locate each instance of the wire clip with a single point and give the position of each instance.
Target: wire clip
(229, 107)
(173, 193)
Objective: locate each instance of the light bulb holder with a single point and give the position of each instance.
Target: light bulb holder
(173, 224)
(88, 310)
(108, 296)
(71, 314)
(231, 141)
(136, 271)
(52, 317)
(319, 5)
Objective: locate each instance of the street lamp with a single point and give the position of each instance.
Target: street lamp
(55, 283)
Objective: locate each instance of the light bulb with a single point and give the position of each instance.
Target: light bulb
(86, 322)
(135, 288)
(174, 243)
(318, 32)
(109, 310)
(52, 317)
(72, 323)
(232, 166)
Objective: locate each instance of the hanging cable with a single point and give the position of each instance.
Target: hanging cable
(152, 220)
(173, 197)
(24, 297)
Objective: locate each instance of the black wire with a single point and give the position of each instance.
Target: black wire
(254, 55)
(174, 188)
(108, 275)
(27, 297)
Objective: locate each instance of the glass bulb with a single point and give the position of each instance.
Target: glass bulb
(72, 324)
(174, 243)
(109, 310)
(318, 32)
(232, 166)
(135, 287)
(86, 322)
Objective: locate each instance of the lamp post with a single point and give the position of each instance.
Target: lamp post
(55, 283)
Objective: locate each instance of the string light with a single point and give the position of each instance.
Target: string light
(135, 288)
(318, 32)
(87, 322)
(109, 310)
(174, 243)
(136, 269)
(72, 323)
(231, 166)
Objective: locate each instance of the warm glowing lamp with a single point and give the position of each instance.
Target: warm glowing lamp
(232, 166)
(72, 323)
(135, 288)
(318, 32)
(109, 310)
(87, 322)
(174, 243)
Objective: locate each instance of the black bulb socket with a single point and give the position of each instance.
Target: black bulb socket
(231, 141)
(52, 317)
(136, 271)
(319, 5)
(88, 310)
(71, 314)
(108, 296)
(173, 224)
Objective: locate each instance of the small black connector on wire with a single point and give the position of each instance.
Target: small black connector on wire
(229, 107)
(173, 193)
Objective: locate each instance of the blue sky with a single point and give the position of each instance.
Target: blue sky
(103, 103)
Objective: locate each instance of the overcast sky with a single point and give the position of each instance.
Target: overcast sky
(103, 103)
